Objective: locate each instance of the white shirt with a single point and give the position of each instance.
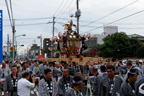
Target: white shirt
(24, 87)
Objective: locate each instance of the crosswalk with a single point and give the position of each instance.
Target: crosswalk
(34, 92)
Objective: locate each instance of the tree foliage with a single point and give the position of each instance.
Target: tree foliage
(140, 52)
(119, 45)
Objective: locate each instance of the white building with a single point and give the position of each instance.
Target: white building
(108, 30)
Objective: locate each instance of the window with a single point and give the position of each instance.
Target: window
(47, 44)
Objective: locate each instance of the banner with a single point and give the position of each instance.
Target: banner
(41, 56)
(1, 36)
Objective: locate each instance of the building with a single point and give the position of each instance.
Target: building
(47, 47)
(108, 30)
(91, 50)
(91, 43)
(97, 39)
(140, 37)
(34, 51)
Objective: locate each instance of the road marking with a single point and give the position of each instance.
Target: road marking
(32, 92)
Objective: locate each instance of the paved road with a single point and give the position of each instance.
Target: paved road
(34, 92)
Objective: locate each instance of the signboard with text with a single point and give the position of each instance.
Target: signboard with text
(1, 36)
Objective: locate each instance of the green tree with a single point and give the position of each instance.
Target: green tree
(119, 45)
(140, 52)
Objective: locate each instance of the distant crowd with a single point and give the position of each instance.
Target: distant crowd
(102, 78)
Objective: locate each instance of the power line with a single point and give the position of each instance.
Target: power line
(116, 20)
(62, 8)
(31, 18)
(129, 24)
(28, 24)
(11, 12)
(133, 28)
(56, 12)
(46, 18)
(119, 24)
(66, 8)
(34, 18)
(112, 12)
(59, 7)
(11, 24)
(26, 38)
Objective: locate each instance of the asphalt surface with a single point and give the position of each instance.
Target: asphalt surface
(34, 92)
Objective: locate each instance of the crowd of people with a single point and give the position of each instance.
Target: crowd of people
(72, 79)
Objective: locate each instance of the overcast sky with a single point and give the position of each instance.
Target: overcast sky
(25, 12)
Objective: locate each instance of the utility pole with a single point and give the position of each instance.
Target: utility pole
(16, 50)
(77, 14)
(53, 24)
(41, 41)
(34, 41)
(8, 43)
(27, 53)
(53, 35)
(13, 31)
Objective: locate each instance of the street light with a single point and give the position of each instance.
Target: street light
(14, 46)
(20, 35)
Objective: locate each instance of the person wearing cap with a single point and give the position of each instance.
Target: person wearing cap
(96, 80)
(48, 85)
(10, 84)
(65, 82)
(75, 90)
(128, 86)
(111, 84)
